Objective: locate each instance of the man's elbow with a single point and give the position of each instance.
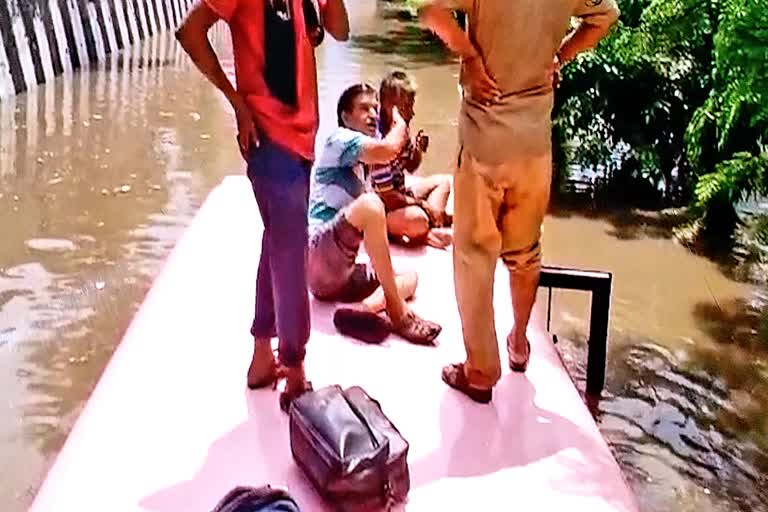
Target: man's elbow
(393, 149)
(613, 16)
(340, 34)
(195, 25)
(385, 155)
(184, 33)
(610, 18)
(609, 21)
(381, 153)
(179, 32)
(426, 14)
(601, 25)
(336, 21)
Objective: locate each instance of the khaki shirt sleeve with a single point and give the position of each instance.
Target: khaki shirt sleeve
(601, 13)
(453, 5)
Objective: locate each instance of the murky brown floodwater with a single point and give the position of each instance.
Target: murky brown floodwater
(99, 175)
(101, 172)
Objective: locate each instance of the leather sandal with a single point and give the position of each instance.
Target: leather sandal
(289, 395)
(454, 376)
(269, 379)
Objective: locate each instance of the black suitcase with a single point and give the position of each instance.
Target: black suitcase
(351, 452)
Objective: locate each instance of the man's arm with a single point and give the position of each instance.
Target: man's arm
(597, 18)
(394, 200)
(414, 162)
(381, 151)
(437, 16)
(419, 148)
(192, 34)
(336, 20)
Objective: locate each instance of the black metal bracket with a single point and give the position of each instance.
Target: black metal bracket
(599, 284)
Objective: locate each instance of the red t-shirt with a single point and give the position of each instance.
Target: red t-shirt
(292, 128)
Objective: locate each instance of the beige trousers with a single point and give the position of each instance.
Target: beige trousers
(498, 212)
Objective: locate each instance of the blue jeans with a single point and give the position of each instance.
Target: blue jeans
(280, 182)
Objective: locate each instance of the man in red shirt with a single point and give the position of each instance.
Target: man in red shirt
(275, 103)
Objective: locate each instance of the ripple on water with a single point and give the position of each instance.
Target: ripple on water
(678, 433)
(57, 245)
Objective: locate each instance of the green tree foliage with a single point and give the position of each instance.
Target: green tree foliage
(676, 96)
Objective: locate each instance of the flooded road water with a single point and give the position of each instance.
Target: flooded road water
(100, 173)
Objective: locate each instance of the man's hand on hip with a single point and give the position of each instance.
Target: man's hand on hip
(554, 74)
(481, 86)
(247, 134)
(192, 34)
(440, 20)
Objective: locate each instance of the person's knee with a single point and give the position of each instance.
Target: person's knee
(417, 224)
(471, 242)
(372, 206)
(367, 210)
(444, 181)
(411, 278)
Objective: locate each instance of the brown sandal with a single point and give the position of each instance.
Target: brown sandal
(416, 329)
(289, 395)
(454, 376)
(519, 367)
(280, 372)
(270, 379)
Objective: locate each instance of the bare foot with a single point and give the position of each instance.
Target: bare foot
(440, 238)
(263, 369)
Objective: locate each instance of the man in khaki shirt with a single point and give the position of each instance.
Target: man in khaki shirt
(510, 55)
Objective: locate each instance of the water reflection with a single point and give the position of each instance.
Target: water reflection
(100, 172)
(688, 429)
(404, 41)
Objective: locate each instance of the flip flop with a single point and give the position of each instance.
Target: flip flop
(270, 379)
(267, 381)
(515, 366)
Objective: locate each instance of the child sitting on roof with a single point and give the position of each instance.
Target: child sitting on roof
(415, 213)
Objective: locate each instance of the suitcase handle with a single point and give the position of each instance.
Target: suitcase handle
(386, 488)
(362, 419)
